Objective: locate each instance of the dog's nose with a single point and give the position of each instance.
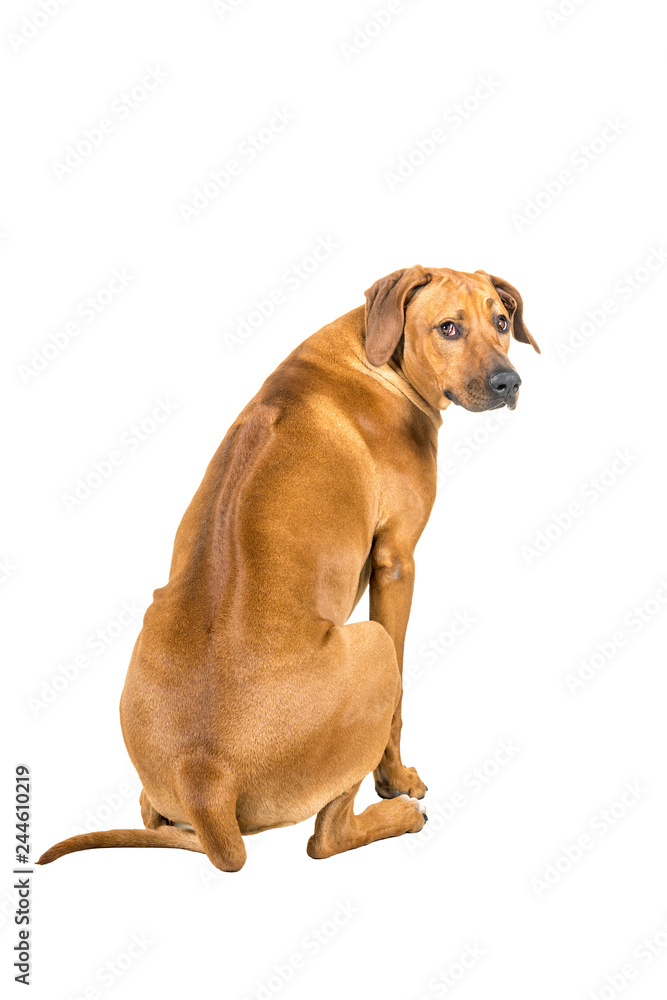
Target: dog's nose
(505, 384)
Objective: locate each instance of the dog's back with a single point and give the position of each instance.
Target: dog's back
(267, 558)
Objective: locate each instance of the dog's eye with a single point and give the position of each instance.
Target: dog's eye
(503, 324)
(449, 329)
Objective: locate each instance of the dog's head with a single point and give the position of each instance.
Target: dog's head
(450, 331)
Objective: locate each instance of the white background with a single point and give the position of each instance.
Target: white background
(359, 104)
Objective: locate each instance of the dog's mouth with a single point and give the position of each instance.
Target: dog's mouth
(477, 406)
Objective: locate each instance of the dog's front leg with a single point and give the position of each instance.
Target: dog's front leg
(391, 585)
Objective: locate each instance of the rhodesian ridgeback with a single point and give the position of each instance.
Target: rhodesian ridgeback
(249, 704)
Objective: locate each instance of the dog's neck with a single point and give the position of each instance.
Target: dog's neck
(392, 373)
(345, 340)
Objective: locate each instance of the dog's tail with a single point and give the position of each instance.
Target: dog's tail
(164, 836)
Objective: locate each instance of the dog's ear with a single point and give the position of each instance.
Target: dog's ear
(386, 302)
(511, 298)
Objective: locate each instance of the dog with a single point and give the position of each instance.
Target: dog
(249, 703)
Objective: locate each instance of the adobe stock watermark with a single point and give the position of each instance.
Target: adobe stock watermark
(99, 817)
(472, 783)
(445, 980)
(644, 954)
(365, 33)
(562, 12)
(589, 494)
(7, 569)
(130, 441)
(33, 24)
(85, 312)
(94, 136)
(633, 622)
(224, 7)
(453, 118)
(598, 827)
(311, 944)
(433, 651)
(622, 291)
(94, 645)
(291, 280)
(108, 974)
(579, 161)
(468, 446)
(220, 179)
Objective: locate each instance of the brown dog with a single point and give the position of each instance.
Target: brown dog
(249, 703)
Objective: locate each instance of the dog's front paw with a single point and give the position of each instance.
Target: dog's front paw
(399, 781)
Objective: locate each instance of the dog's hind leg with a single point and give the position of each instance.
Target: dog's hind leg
(150, 816)
(337, 829)
(209, 794)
